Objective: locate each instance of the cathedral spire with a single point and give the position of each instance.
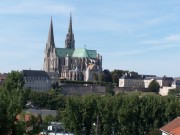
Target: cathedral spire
(70, 42)
(70, 25)
(50, 40)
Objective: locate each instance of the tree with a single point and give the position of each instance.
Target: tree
(11, 102)
(154, 86)
(11, 106)
(14, 81)
(116, 74)
(106, 76)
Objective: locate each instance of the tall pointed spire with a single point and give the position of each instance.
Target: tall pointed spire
(50, 40)
(70, 25)
(70, 42)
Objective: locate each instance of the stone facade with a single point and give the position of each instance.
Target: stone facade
(165, 90)
(143, 81)
(70, 63)
(82, 90)
(131, 80)
(36, 80)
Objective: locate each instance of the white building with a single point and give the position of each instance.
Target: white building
(165, 90)
(176, 83)
(142, 81)
(133, 79)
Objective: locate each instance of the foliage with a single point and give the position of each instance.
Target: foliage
(174, 92)
(119, 114)
(13, 81)
(116, 74)
(109, 89)
(154, 86)
(49, 118)
(11, 102)
(106, 76)
(154, 132)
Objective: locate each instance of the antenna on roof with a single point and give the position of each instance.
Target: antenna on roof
(85, 46)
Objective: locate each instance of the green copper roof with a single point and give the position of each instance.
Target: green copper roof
(62, 52)
(92, 53)
(80, 53)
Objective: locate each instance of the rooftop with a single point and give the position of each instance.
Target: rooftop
(172, 127)
(35, 73)
(80, 53)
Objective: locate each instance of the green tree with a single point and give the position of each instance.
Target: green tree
(154, 86)
(116, 74)
(11, 102)
(106, 76)
(174, 92)
(14, 81)
(72, 116)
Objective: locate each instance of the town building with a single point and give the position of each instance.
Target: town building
(171, 128)
(134, 80)
(131, 80)
(36, 80)
(176, 83)
(70, 63)
(163, 81)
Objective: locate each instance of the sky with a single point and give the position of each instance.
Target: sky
(135, 35)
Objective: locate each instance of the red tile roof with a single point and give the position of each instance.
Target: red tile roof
(172, 127)
(27, 117)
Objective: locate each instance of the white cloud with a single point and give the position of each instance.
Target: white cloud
(173, 38)
(37, 7)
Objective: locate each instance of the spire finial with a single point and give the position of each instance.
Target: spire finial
(51, 18)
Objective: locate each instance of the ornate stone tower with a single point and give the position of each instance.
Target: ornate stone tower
(50, 61)
(70, 42)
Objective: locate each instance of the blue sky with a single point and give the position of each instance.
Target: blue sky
(135, 35)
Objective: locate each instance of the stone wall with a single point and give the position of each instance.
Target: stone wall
(82, 90)
(94, 89)
(129, 89)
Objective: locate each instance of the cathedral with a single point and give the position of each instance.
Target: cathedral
(71, 63)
